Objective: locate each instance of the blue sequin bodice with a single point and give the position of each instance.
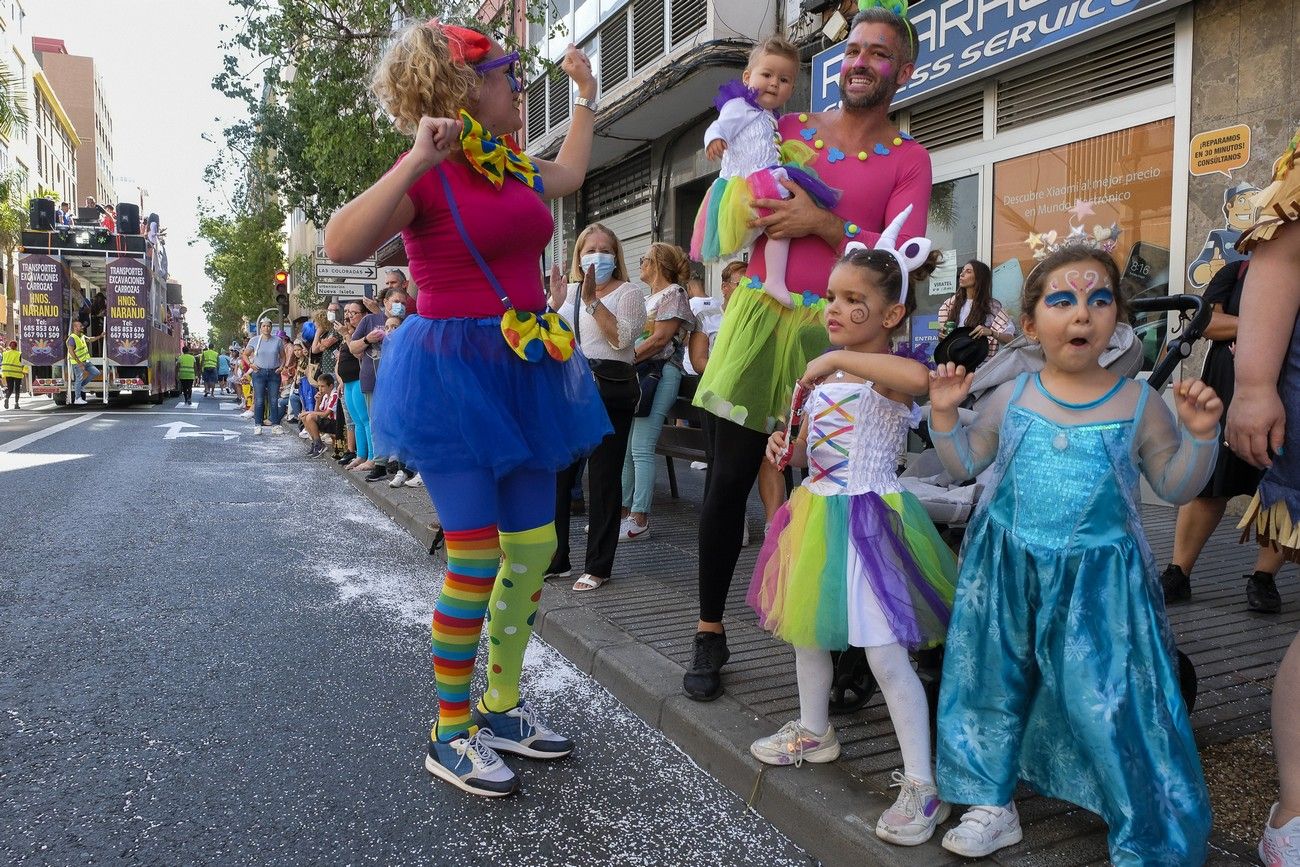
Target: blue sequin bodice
(1053, 495)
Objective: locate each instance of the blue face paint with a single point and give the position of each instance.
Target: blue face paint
(1059, 298)
(1101, 297)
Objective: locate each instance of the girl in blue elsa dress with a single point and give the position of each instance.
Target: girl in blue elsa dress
(1060, 667)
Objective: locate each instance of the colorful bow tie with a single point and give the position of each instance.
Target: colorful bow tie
(495, 157)
(530, 335)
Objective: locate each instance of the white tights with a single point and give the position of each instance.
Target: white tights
(904, 696)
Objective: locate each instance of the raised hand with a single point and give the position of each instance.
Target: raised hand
(434, 139)
(557, 286)
(1199, 408)
(589, 285)
(577, 66)
(949, 386)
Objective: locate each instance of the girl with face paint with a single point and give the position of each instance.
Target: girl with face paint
(1060, 667)
(852, 558)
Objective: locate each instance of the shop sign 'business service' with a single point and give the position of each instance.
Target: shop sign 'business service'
(959, 40)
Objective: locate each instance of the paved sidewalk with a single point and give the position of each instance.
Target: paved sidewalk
(634, 636)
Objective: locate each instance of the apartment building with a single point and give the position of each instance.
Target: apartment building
(80, 90)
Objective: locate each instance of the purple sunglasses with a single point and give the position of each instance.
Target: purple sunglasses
(512, 73)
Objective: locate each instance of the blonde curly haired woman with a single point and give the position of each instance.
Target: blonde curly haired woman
(478, 391)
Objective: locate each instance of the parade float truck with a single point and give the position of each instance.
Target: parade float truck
(64, 275)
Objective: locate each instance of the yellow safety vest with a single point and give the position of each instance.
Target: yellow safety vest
(80, 351)
(11, 367)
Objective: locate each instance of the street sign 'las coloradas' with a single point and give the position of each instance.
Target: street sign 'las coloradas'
(959, 40)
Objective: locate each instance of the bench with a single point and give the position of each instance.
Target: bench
(679, 440)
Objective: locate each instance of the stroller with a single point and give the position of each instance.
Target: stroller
(950, 505)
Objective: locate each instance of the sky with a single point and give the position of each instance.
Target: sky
(156, 60)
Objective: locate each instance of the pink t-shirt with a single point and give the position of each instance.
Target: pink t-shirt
(510, 227)
(872, 193)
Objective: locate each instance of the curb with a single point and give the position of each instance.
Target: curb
(820, 807)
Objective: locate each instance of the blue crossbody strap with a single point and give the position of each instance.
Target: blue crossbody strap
(464, 236)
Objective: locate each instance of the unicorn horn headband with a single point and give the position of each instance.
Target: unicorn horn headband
(913, 253)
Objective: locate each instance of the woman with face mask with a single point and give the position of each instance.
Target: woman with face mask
(607, 313)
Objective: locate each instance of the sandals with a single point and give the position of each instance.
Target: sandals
(588, 583)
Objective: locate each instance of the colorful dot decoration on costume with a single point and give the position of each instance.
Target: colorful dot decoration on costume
(534, 337)
(525, 555)
(808, 298)
(494, 157)
(834, 154)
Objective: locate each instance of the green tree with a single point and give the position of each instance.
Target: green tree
(247, 248)
(321, 135)
(13, 100)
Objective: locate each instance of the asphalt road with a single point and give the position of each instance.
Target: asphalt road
(213, 651)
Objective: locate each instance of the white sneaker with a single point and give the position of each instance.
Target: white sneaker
(699, 465)
(631, 530)
(984, 830)
(276, 429)
(1280, 847)
(912, 819)
(248, 413)
(794, 745)
(257, 430)
(399, 479)
(415, 481)
(81, 401)
(303, 435)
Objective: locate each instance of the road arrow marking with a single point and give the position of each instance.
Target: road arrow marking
(176, 430)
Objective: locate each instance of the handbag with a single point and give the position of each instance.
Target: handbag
(530, 336)
(650, 372)
(608, 372)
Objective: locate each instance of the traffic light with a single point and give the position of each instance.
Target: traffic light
(282, 291)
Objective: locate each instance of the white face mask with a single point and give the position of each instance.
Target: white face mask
(398, 309)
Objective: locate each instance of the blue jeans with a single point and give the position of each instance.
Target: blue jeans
(292, 405)
(639, 463)
(84, 373)
(266, 395)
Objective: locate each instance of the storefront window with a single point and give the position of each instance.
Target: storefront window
(1115, 188)
(953, 227)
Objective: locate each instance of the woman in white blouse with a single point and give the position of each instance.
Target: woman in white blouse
(974, 306)
(607, 313)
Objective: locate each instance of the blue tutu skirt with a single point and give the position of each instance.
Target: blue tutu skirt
(451, 393)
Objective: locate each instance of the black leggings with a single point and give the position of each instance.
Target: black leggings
(12, 384)
(733, 469)
(187, 389)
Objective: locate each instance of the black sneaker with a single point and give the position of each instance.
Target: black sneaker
(703, 681)
(378, 474)
(1261, 593)
(348, 457)
(578, 507)
(1176, 583)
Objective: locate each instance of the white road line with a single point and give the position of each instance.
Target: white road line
(21, 442)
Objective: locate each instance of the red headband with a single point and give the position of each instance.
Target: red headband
(465, 45)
